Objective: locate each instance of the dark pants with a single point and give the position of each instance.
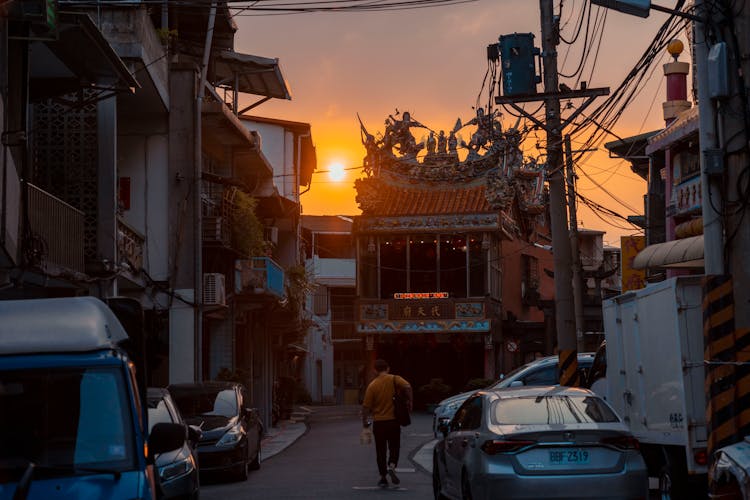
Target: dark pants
(387, 434)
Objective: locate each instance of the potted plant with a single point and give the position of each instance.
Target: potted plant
(431, 394)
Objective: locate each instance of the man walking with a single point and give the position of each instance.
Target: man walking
(378, 403)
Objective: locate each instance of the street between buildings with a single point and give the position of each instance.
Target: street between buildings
(329, 462)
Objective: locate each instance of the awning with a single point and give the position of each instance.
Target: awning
(685, 125)
(251, 74)
(80, 56)
(684, 253)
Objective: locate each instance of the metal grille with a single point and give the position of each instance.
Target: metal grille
(65, 155)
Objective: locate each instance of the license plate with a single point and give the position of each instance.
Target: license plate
(569, 457)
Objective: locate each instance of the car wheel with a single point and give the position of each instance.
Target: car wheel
(437, 487)
(465, 487)
(255, 463)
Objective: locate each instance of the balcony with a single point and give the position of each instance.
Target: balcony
(259, 276)
(332, 272)
(58, 230)
(130, 245)
(217, 231)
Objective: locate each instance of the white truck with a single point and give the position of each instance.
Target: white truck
(655, 379)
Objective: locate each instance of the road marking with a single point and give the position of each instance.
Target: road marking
(398, 469)
(374, 488)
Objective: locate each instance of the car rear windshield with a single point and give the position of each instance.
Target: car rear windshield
(65, 417)
(552, 409)
(205, 401)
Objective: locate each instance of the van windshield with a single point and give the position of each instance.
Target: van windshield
(71, 417)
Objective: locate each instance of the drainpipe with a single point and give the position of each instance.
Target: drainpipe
(198, 227)
(297, 169)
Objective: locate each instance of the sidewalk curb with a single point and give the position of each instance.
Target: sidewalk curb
(282, 439)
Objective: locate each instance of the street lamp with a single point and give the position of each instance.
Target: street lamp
(641, 8)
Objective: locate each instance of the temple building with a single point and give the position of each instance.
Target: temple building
(452, 246)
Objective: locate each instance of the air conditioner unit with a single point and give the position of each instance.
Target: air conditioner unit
(271, 233)
(214, 290)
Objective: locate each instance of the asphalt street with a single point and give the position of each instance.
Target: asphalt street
(329, 462)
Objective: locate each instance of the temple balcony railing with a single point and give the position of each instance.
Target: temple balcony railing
(59, 228)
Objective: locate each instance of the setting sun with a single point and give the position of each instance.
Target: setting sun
(336, 172)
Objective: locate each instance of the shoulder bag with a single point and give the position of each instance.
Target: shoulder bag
(400, 406)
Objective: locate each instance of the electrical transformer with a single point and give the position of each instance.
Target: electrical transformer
(518, 56)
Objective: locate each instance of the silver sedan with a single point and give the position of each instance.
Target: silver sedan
(537, 442)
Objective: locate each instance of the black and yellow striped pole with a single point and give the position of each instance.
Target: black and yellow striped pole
(568, 367)
(727, 353)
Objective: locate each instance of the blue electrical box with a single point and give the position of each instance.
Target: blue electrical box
(518, 56)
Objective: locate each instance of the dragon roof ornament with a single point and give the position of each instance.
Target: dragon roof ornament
(492, 154)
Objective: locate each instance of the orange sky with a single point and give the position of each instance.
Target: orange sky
(431, 62)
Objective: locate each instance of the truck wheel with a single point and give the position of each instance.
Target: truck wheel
(665, 483)
(671, 486)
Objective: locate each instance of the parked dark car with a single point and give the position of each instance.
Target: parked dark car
(178, 469)
(537, 442)
(231, 430)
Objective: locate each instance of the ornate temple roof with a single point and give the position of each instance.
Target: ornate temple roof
(443, 199)
(407, 189)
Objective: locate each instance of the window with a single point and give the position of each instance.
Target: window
(158, 413)
(334, 246)
(543, 376)
(545, 409)
(453, 265)
(320, 300)
(469, 415)
(392, 266)
(477, 266)
(423, 263)
(65, 417)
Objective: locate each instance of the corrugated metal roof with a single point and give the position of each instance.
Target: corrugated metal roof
(255, 75)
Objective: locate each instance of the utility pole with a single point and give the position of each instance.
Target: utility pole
(576, 264)
(564, 320)
(554, 125)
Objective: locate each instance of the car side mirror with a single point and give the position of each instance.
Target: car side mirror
(251, 414)
(444, 428)
(516, 383)
(194, 433)
(165, 437)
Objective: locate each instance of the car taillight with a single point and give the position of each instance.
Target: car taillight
(701, 456)
(622, 442)
(494, 446)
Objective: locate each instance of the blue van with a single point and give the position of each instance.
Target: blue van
(72, 417)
